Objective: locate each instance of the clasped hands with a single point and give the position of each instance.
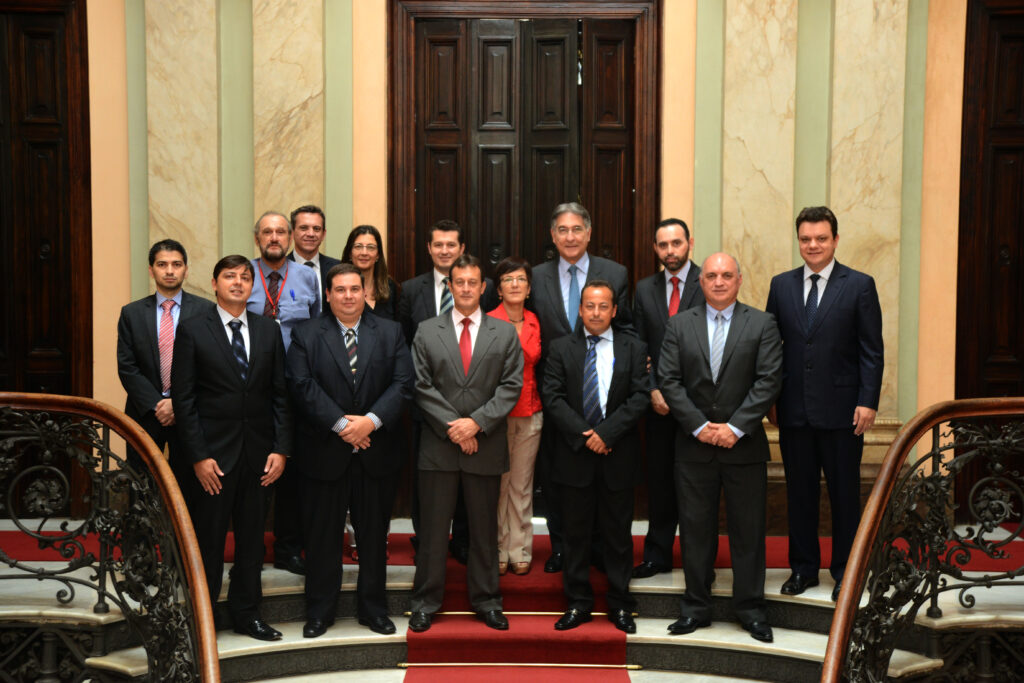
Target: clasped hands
(357, 431)
(596, 443)
(718, 434)
(462, 432)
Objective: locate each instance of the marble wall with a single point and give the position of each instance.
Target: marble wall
(757, 140)
(181, 108)
(288, 104)
(869, 60)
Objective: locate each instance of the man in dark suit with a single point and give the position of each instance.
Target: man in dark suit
(831, 323)
(309, 227)
(658, 298)
(423, 297)
(720, 371)
(287, 293)
(145, 348)
(595, 391)
(469, 373)
(350, 376)
(555, 299)
(231, 403)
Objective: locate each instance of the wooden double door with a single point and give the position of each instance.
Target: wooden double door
(515, 116)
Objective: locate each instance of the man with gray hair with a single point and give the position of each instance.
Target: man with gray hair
(286, 292)
(720, 371)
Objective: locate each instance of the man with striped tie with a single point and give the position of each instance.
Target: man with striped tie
(595, 391)
(231, 404)
(720, 371)
(350, 376)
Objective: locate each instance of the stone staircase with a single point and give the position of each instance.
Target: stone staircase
(800, 624)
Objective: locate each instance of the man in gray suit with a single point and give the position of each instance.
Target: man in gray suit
(556, 301)
(469, 373)
(720, 372)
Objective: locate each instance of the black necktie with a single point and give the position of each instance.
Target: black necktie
(238, 348)
(591, 385)
(811, 308)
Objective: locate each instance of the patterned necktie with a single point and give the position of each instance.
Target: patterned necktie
(811, 308)
(350, 346)
(572, 308)
(673, 301)
(446, 297)
(591, 388)
(238, 348)
(466, 345)
(166, 344)
(717, 346)
(270, 305)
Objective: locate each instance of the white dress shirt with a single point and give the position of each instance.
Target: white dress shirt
(316, 269)
(343, 421)
(457, 318)
(226, 318)
(683, 272)
(727, 314)
(605, 362)
(825, 274)
(583, 266)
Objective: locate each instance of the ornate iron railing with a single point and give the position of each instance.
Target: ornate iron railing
(908, 551)
(134, 549)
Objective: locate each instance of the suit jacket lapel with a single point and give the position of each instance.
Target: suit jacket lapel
(335, 342)
(698, 321)
(690, 287)
(427, 292)
(619, 372)
(554, 287)
(151, 330)
(736, 327)
(450, 342)
(484, 338)
(832, 292)
(220, 337)
(797, 296)
(660, 302)
(367, 339)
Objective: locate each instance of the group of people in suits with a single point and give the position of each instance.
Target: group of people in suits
(550, 367)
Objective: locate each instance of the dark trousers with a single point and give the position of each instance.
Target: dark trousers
(324, 505)
(438, 491)
(241, 503)
(179, 463)
(288, 528)
(612, 512)
(552, 496)
(663, 511)
(806, 453)
(699, 487)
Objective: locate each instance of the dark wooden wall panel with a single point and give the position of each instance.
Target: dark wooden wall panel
(496, 195)
(443, 85)
(441, 182)
(497, 79)
(611, 99)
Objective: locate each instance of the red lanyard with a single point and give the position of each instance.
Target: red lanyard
(280, 289)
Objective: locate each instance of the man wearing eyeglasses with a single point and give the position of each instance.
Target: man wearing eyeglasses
(557, 285)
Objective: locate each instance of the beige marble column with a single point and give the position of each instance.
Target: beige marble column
(288, 104)
(757, 142)
(867, 154)
(181, 107)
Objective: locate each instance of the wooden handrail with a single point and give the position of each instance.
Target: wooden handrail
(135, 436)
(867, 531)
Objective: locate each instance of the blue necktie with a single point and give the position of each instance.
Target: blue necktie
(572, 308)
(591, 388)
(238, 348)
(811, 308)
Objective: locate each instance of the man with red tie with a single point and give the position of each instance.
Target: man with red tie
(658, 298)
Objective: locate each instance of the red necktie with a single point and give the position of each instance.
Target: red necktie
(165, 343)
(466, 344)
(673, 301)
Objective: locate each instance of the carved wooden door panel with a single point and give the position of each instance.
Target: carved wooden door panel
(503, 107)
(990, 278)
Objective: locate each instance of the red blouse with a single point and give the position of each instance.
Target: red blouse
(529, 339)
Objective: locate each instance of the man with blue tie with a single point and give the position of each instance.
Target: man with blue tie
(286, 292)
(231, 403)
(831, 323)
(720, 372)
(595, 391)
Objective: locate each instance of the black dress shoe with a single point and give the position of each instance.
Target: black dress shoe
(294, 564)
(622, 619)
(835, 591)
(381, 625)
(459, 552)
(554, 563)
(798, 583)
(315, 628)
(419, 622)
(494, 619)
(256, 628)
(571, 619)
(684, 625)
(760, 630)
(646, 569)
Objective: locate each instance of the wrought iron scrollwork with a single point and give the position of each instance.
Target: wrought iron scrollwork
(124, 550)
(919, 553)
